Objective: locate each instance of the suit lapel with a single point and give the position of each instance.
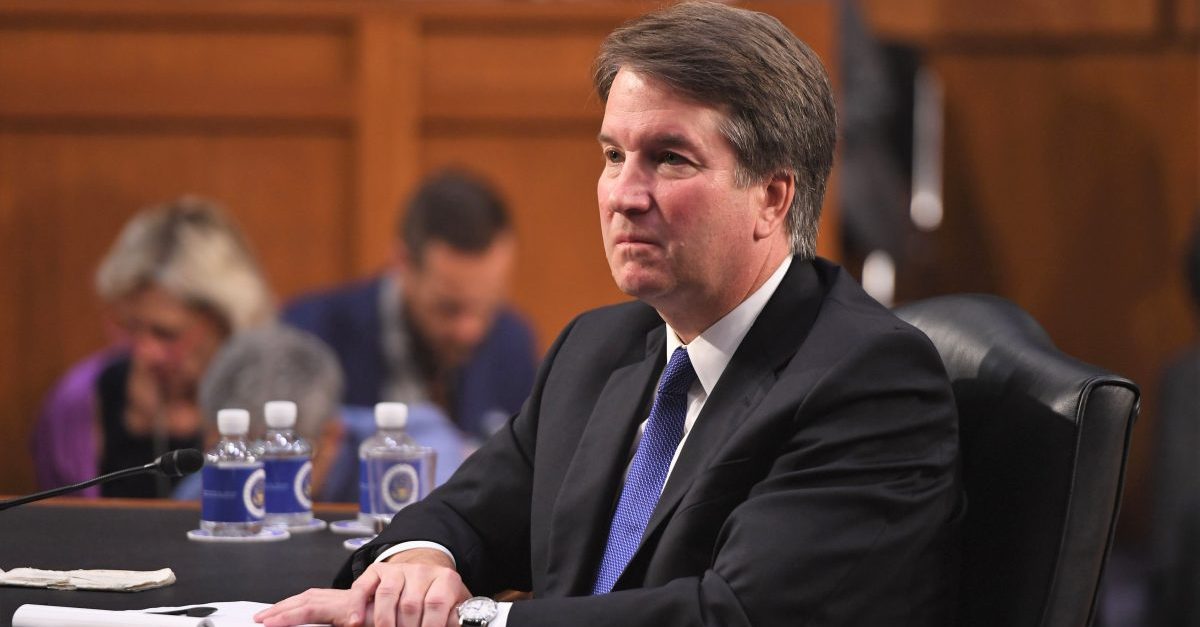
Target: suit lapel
(775, 336)
(583, 509)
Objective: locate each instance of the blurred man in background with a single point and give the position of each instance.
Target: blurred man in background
(434, 326)
(1175, 564)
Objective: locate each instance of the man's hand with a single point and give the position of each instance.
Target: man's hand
(416, 588)
(337, 607)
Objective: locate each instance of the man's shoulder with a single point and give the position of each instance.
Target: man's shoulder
(850, 318)
(354, 299)
(512, 324)
(635, 317)
(1179, 378)
(609, 332)
(344, 293)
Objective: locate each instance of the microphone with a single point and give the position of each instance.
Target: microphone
(179, 462)
(175, 463)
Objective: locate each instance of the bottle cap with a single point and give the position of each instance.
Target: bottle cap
(280, 414)
(233, 421)
(391, 415)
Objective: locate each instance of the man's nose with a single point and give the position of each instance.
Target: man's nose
(632, 191)
(469, 330)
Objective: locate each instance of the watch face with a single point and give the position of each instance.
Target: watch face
(477, 610)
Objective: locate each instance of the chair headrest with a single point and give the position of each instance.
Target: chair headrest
(985, 338)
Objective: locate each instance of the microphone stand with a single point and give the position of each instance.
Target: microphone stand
(162, 486)
(78, 486)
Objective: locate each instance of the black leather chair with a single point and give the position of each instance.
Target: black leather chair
(1045, 439)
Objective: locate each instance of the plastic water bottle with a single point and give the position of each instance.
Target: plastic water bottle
(394, 471)
(287, 458)
(233, 481)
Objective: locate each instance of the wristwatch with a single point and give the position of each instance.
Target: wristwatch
(476, 612)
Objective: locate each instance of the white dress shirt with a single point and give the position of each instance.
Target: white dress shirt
(709, 353)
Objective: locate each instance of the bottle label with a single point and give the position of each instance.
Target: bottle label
(233, 493)
(386, 486)
(289, 485)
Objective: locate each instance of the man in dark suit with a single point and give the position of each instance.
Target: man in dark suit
(435, 327)
(1175, 538)
(782, 451)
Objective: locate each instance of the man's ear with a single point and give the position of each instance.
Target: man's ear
(775, 200)
(402, 262)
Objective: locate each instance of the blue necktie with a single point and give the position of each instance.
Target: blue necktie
(648, 472)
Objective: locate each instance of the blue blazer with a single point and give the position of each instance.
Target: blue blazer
(488, 389)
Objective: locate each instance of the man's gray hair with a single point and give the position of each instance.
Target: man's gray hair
(274, 363)
(780, 116)
(194, 252)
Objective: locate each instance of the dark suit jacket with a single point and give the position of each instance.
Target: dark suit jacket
(819, 485)
(1175, 542)
(496, 379)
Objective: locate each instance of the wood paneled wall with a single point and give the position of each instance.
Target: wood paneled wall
(310, 120)
(1072, 160)
(1187, 17)
(928, 20)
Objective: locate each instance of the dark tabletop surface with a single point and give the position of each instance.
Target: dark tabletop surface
(149, 538)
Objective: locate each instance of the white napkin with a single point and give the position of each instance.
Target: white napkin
(123, 580)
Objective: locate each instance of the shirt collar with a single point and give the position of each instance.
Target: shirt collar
(711, 351)
(389, 317)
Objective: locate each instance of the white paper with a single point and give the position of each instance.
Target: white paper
(54, 616)
(228, 614)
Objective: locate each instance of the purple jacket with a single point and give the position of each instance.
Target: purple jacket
(64, 442)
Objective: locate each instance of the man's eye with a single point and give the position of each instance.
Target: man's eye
(612, 155)
(670, 158)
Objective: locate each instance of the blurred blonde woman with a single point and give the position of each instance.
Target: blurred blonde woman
(181, 280)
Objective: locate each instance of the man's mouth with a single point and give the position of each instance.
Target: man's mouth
(634, 239)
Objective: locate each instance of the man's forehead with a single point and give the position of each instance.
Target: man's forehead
(653, 111)
(439, 256)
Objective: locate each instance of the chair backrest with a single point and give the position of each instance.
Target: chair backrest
(1044, 440)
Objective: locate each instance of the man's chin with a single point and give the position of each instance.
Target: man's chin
(641, 285)
(450, 358)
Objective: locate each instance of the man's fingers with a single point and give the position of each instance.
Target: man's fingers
(367, 581)
(295, 616)
(358, 605)
(284, 605)
(312, 606)
(442, 597)
(362, 592)
(394, 595)
(412, 601)
(392, 583)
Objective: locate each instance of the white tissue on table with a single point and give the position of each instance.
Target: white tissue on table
(126, 580)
